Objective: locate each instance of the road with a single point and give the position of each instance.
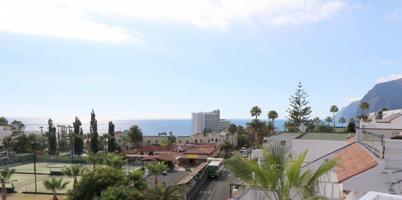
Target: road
(216, 188)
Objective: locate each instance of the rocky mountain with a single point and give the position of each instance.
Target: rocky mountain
(382, 95)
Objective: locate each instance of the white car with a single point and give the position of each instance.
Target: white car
(243, 151)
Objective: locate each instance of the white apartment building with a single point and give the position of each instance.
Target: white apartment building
(391, 119)
(208, 122)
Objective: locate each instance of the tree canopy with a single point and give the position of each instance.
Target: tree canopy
(135, 136)
(299, 109)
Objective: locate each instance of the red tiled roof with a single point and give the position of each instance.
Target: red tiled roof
(153, 148)
(353, 160)
(150, 148)
(200, 150)
(163, 157)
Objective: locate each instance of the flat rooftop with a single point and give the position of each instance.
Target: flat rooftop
(326, 136)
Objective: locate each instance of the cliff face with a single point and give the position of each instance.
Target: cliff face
(382, 95)
(349, 111)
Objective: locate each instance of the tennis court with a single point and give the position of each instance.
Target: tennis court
(24, 178)
(26, 182)
(41, 167)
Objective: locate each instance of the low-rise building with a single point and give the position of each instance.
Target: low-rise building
(211, 138)
(391, 119)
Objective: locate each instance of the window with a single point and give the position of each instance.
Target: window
(196, 141)
(186, 141)
(156, 142)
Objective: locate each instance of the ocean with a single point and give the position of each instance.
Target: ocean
(149, 127)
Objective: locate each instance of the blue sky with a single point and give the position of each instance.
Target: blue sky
(166, 59)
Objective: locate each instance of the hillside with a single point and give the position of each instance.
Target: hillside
(382, 95)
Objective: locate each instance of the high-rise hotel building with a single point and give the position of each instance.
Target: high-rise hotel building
(208, 122)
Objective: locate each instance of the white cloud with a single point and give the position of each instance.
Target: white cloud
(50, 18)
(79, 19)
(389, 78)
(389, 62)
(394, 14)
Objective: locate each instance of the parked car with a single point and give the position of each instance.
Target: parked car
(244, 151)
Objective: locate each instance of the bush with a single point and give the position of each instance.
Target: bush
(94, 182)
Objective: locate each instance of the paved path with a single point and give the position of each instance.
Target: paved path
(216, 188)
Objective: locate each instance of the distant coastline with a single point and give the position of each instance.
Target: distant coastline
(148, 126)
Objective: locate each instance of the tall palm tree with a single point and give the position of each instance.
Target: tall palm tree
(5, 175)
(334, 109)
(232, 129)
(342, 120)
(74, 171)
(156, 168)
(328, 120)
(364, 106)
(135, 136)
(162, 192)
(256, 128)
(278, 176)
(55, 185)
(272, 115)
(226, 147)
(255, 112)
(94, 159)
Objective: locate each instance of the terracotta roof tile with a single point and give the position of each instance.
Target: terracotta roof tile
(163, 157)
(353, 160)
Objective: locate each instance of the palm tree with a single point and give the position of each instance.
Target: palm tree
(5, 175)
(328, 120)
(114, 160)
(232, 129)
(55, 185)
(256, 128)
(226, 147)
(136, 179)
(272, 115)
(342, 120)
(279, 176)
(156, 168)
(334, 109)
(73, 171)
(94, 159)
(255, 112)
(364, 106)
(162, 192)
(135, 136)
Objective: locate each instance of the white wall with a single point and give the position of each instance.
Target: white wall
(393, 154)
